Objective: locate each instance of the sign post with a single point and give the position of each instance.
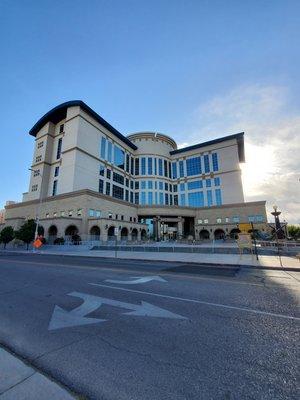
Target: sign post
(255, 248)
(116, 231)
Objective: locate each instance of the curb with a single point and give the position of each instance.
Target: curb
(202, 264)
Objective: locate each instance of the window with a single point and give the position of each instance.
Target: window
(103, 148)
(136, 184)
(181, 169)
(174, 170)
(200, 221)
(79, 212)
(170, 170)
(143, 198)
(174, 188)
(171, 199)
(136, 198)
(126, 195)
(150, 198)
(161, 185)
(62, 213)
(91, 212)
(54, 188)
(217, 181)
(127, 162)
(218, 197)
(47, 215)
(227, 219)
(119, 157)
(97, 213)
(101, 186)
(70, 213)
(155, 194)
(143, 166)
(196, 199)
(170, 187)
(137, 166)
(101, 170)
(206, 221)
(55, 214)
(131, 184)
(160, 167)
(206, 163)
(132, 166)
(118, 178)
(155, 166)
(150, 168)
(195, 185)
(150, 185)
(193, 166)
(259, 218)
(251, 218)
(208, 182)
(38, 158)
(166, 168)
(56, 171)
(127, 182)
(166, 198)
(107, 191)
(182, 187)
(40, 145)
(109, 151)
(143, 184)
(236, 219)
(108, 173)
(61, 128)
(131, 197)
(161, 198)
(215, 162)
(117, 216)
(34, 188)
(118, 192)
(109, 215)
(175, 199)
(209, 198)
(36, 172)
(122, 217)
(166, 186)
(59, 145)
(182, 199)
(219, 220)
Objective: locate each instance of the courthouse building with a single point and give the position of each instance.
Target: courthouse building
(91, 179)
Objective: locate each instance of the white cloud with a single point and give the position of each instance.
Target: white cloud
(272, 142)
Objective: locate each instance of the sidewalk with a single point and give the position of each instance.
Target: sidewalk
(264, 262)
(19, 381)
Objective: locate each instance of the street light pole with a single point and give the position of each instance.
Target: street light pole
(37, 218)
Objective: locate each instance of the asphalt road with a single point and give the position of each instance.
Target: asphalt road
(105, 330)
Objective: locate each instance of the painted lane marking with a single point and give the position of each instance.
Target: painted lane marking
(249, 310)
(137, 280)
(63, 319)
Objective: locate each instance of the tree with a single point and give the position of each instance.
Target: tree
(6, 235)
(27, 232)
(294, 231)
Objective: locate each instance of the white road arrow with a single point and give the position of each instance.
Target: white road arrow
(63, 319)
(137, 279)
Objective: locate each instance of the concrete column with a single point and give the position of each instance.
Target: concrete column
(180, 228)
(139, 235)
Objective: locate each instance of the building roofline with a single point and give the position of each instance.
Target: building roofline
(238, 136)
(157, 135)
(57, 113)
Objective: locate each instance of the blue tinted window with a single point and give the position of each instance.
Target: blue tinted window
(196, 199)
(54, 188)
(155, 197)
(150, 198)
(150, 169)
(174, 170)
(206, 163)
(195, 185)
(182, 199)
(251, 218)
(181, 169)
(160, 167)
(217, 181)
(150, 185)
(161, 185)
(143, 198)
(103, 147)
(215, 162)
(109, 151)
(143, 166)
(208, 182)
(101, 186)
(236, 219)
(166, 199)
(193, 166)
(259, 218)
(218, 197)
(119, 157)
(155, 166)
(166, 168)
(136, 198)
(182, 187)
(161, 198)
(143, 184)
(209, 198)
(137, 166)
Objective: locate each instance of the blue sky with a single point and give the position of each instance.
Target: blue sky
(191, 69)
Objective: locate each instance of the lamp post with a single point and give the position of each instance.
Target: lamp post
(278, 229)
(37, 218)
